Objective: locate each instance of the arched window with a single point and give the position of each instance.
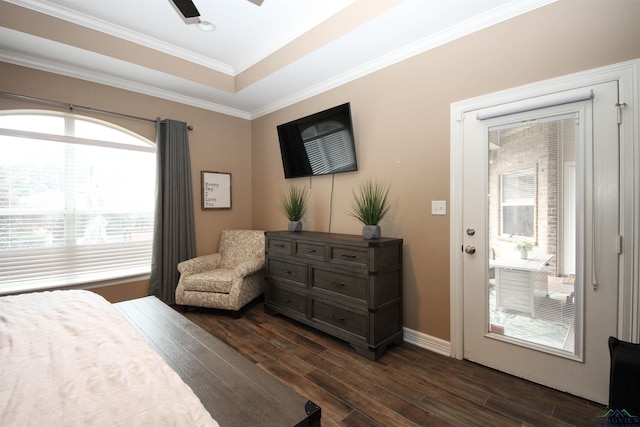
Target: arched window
(76, 200)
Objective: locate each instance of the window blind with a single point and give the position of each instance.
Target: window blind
(545, 101)
(74, 208)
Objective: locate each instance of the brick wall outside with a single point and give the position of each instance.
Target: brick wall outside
(541, 147)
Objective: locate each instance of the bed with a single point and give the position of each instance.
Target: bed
(72, 358)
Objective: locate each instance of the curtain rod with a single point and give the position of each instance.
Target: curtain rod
(77, 107)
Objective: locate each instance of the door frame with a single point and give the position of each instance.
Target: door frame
(628, 77)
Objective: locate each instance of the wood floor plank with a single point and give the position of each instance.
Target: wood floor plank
(370, 378)
(284, 329)
(358, 419)
(330, 404)
(407, 386)
(304, 349)
(415, 413)
(522, 411)
(373, 409)
(424, 377)
(460, 411)
(582, 417)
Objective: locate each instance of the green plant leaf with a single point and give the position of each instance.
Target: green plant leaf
(524, 245)
(294, 203)
(370, 202)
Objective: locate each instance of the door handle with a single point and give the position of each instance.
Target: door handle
(470, 250)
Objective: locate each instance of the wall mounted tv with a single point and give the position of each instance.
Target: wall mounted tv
(319, 144)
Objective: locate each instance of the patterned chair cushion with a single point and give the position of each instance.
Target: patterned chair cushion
(238, 246)
(199, 264)
(249, 267)
(211, 281)
(228, 279)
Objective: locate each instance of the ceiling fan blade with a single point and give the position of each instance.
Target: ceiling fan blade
(256, 2)
(188, 10)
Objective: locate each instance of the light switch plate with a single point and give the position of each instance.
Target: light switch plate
(438, 207)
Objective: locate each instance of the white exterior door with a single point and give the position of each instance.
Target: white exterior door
(544, 180)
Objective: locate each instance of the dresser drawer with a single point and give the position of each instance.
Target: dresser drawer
(287, 299)
(347, 320)
(340, 283)
(279, 246)
(287, 270)
(348, 256)
(310, 250)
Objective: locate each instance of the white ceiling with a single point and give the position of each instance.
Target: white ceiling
(245, 35)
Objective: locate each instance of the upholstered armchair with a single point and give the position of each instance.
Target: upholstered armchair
(228, 279)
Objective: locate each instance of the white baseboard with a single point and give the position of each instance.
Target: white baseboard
(437, 345)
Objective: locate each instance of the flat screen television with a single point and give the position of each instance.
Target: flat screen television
(319, 144)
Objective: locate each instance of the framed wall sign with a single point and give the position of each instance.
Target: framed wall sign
(216, 190)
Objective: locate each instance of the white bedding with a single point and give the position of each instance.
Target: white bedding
(68, 358)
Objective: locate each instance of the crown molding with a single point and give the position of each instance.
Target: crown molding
(90, 22)
(274, 47)
(495, 16)
(100, 78)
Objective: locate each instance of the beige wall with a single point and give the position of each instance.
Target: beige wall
(123, 291)
(401, 120)
(217, 143)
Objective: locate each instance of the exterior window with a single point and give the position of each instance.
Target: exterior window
(76, 200)
(518, 204)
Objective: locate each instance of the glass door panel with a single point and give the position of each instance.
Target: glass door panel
(531, 232)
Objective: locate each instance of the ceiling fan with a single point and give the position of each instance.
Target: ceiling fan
(189, 11)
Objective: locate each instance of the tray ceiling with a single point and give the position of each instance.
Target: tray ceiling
(257, 60)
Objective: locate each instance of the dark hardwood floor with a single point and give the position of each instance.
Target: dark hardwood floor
(408, 386)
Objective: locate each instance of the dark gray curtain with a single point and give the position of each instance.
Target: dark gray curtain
(174, 231)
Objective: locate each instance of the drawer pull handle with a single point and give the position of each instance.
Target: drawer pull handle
(287, 300)
(347, 256)
(311, 251)
(333, 282)
(340, 318)
(287, 271)
(278, 245)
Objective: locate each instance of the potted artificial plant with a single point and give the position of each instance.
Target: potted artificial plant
(524, 247)
(294, 206)
(370, 204)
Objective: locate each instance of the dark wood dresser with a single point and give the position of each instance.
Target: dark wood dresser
(341, 284)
